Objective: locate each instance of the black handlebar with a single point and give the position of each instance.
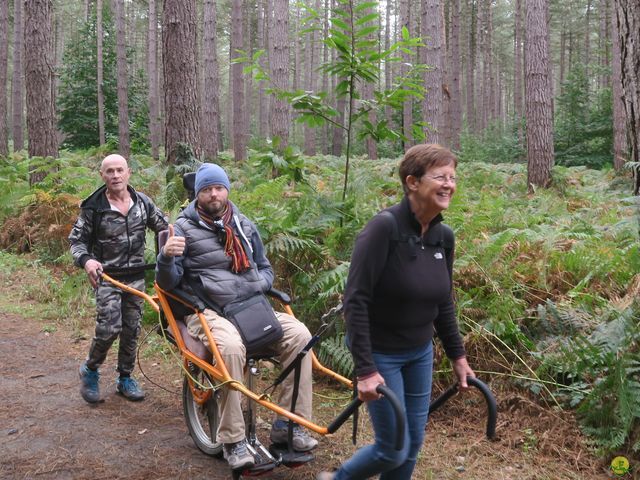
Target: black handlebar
(398, 412)
(492, 409)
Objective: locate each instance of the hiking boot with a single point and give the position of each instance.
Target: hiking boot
(237, 455)
(89, 387)
(129, 389)
(302, 441)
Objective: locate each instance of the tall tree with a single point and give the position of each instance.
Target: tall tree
(38, 34)
(539, 113)
(407, 108)
(100, 72)
(517, 65)
(124, 145)
(182, 111)
(4, 52)
(263, 44)
(471, 68)
(628, 23)
(237, 92)
(17, 82)
(432, 108)
(620, 146)
(279, 65)
(456, 65)
(210, 97)
(152, 75)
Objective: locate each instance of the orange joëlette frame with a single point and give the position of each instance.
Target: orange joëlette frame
(218, 370)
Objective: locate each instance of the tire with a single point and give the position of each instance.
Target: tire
(202, 420)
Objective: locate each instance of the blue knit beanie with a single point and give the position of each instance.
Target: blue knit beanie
(211, 174)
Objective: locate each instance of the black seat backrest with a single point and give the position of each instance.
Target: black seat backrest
(189, 184)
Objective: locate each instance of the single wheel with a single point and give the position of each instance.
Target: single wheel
(202, 418)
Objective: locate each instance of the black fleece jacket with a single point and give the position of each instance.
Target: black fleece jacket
(395, 299)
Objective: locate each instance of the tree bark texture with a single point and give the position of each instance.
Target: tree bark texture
(100, 73)
(517, 66)
(124, 144)
(455, 94)
(263, 44)
(433, 81)
(470, 68)
(407, 107)
(211, 102)
(4, 54)
(41, 116)
(628, 23)
(182, 111)
(620, 146)
(237, 82)
(17, 82)
(152, 75)
(279, 64)
(539, 114)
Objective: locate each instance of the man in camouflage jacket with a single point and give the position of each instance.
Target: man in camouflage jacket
(109, 236)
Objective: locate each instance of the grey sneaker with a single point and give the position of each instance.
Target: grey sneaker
(237, 455)
(302, 441)
(89, 386)
(325, 476)
(129, 388)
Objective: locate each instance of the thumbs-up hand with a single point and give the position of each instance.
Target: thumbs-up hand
(175, 245)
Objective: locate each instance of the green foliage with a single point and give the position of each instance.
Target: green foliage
(333, 351)
(353, 37)
(78, 91)
(598, 362)
(494, 145)
(584, 123)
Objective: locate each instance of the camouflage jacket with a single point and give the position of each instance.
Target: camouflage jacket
(115, 240)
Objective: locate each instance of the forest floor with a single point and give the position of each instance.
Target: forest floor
(48, 432)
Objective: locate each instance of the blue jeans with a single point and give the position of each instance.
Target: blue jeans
(408, 374)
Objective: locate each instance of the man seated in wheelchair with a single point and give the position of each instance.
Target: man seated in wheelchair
(215, 252)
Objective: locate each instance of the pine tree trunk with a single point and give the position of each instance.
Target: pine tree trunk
(471, 68)
(41, 115)
(367, 94)
(248, 39)
(308, 81)
(433, 81)
(123, 91)
(517, 67)
(603, 44)
(539, 112)
(407, 107)
(587, 39)
(152, 74)
(454, 87)
(491, 70)
(182, 110)
(263, 44)
(210, 98)
(4, 54)
(17, 82)
(324, 144)
(388, 112)
(628, 23)
(620, 146)
(279, 64)
(479, 83)
(237, 82)
(100, 73)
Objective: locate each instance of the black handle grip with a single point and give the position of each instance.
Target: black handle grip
(492, 409)
(398, 412)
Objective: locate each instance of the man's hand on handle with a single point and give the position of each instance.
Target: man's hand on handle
(92, 267)
(175, 245)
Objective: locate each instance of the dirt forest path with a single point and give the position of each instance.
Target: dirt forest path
(48, 432)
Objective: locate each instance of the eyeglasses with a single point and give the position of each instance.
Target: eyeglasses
(442, 179)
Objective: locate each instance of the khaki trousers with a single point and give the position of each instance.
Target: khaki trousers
(296, 335)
